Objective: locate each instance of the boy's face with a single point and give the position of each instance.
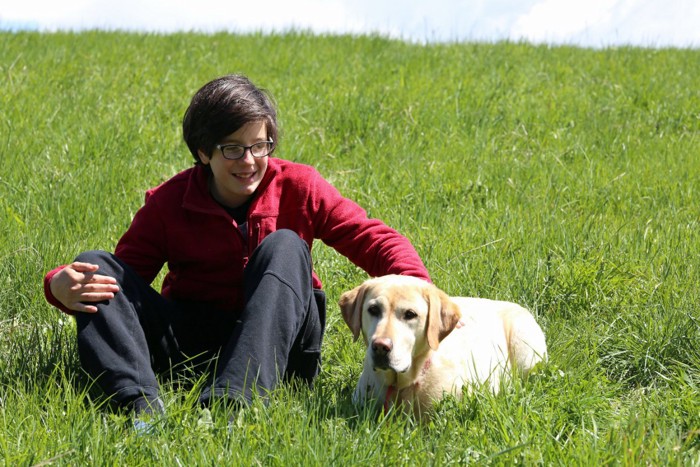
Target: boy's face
(234, 182)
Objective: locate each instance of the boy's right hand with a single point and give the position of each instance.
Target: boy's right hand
(77, 284)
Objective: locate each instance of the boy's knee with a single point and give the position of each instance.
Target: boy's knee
(284, 243)
(107, 262)
(94, 257)
(284, 239)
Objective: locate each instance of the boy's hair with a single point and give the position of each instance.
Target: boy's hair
(221, 107)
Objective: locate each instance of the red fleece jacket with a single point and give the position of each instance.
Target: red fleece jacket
(180, 224)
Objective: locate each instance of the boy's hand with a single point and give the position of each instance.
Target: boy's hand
(77, 283)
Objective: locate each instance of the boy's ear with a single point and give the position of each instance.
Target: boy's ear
(203, 157)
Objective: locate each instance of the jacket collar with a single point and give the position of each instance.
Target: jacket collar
(198, 198)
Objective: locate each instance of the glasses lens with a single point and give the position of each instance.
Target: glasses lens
(232, 152)
(260, 149)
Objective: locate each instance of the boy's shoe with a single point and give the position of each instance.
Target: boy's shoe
(146, 414)
(143, 427)
(205, 421)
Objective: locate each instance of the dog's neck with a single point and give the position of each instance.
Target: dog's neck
(402, 385)
(415, 374)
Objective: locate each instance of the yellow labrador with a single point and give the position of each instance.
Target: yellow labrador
(417, 352)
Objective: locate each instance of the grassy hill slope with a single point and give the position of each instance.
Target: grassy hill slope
(564, 179)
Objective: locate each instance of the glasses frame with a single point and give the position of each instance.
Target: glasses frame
(221, 148)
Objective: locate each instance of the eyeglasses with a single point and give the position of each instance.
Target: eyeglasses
(236, 151)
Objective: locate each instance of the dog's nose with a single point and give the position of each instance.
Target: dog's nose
(382, 345)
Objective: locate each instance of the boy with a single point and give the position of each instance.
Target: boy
(236, 232)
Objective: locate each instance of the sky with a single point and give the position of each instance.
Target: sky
(585, 23)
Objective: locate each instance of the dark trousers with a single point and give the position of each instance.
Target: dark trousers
(139, 333)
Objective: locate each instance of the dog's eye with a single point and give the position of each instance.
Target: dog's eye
(409, 315)
(374, 310)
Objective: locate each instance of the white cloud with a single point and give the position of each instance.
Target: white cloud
(608, 22)
(556, 20)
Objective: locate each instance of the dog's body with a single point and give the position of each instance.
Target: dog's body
(417, 352)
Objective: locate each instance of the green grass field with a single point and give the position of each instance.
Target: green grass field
(564, 179)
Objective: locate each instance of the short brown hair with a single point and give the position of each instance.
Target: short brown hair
(221, 107)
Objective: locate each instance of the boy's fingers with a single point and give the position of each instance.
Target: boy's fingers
(84, 267)
(102, 279)
(84, 308)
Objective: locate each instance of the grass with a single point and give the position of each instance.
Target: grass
(561, 178)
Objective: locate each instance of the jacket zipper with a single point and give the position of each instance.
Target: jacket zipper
(253, 239)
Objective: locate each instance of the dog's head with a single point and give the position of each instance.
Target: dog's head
(399, 317)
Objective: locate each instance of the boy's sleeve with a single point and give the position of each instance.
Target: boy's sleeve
(49, 295)
(142, 245)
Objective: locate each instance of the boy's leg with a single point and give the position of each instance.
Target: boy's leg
(281, 327)
(305, 357)
(127, 338)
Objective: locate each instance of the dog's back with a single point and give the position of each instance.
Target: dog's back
(495, 339)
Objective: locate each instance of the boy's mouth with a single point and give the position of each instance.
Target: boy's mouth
(245, 175)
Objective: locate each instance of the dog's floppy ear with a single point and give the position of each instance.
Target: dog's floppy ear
(351, 307)
(443, 315)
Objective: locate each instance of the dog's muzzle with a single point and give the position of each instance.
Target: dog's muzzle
(381, 350)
